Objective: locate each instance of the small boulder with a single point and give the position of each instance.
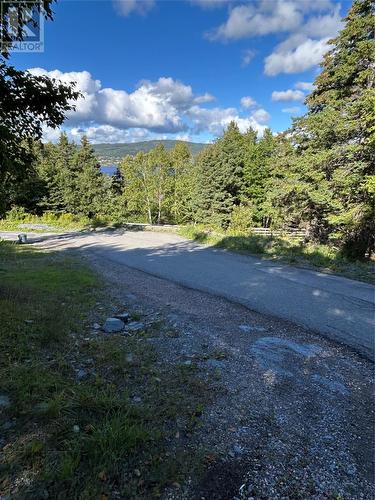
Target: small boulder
(113, 325)
(96, 326)
(124, 316)
(135, 326)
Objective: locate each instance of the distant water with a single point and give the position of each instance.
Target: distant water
(108, 169)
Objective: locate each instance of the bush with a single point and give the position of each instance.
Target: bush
(16, 214)
(241, 219)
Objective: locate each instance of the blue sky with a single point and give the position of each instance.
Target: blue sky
(184, 69)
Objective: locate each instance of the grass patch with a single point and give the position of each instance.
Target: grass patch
(289, 250)
(112, 433)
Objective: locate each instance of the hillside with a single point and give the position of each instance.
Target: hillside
(113, 153)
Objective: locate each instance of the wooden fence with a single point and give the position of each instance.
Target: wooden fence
(263, 231)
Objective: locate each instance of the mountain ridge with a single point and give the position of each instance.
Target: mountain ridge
(112, 153)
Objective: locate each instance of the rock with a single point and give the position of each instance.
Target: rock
(137, 399)
(113, 325)
(22, 238)
(76, 428)
(4, 401)
(135, 326)
(82, 374)
(129, 358)
(29, 321)
(96, 326)
(124, 316)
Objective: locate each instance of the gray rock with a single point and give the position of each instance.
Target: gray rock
(4, 401)
(96, 326)
(113, 325)
(124, 316)
(82, 374)
(135, 326)
(282, 356)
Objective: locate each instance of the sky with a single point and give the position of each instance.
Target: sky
(184, 69)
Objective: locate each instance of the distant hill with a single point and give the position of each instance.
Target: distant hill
(112, 154)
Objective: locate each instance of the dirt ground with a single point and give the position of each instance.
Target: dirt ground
(293, 413)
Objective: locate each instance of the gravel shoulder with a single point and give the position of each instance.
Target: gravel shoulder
(292, 415)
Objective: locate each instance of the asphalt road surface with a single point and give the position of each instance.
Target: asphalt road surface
(336, 307)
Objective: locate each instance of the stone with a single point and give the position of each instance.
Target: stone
(135, 326)
(22, 238)
(4, 401)
(82, 374)
(96, 326)
(124, 316)
(113, 325)
(76, 428)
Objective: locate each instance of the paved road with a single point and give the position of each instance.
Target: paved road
(336, 307)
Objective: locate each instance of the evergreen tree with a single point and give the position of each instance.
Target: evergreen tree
(220, 177)
(256, 172)
(88, 194)
(332, 162)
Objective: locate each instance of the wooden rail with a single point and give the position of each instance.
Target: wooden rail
(265, 231)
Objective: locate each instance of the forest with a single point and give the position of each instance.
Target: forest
(317, 176)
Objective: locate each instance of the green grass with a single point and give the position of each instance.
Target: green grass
(84, 438)
(56, 222)
(289, 250)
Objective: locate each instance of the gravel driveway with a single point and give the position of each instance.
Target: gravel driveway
(293, 415)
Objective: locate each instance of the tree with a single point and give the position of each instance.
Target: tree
(26, 103)
(331, 163)
(256, 172)
(86, 193)
(220, 177)
(184, 184)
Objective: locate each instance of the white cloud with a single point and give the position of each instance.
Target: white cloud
(309, 25)
(326, 25)
(261, 115)
(164, 106)
(292, 110)
(215, 120)
(127, 7)
(248, 102)
(295, 55)
(251, 20)
(247, 56)
(288, 95)
(304, 86)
